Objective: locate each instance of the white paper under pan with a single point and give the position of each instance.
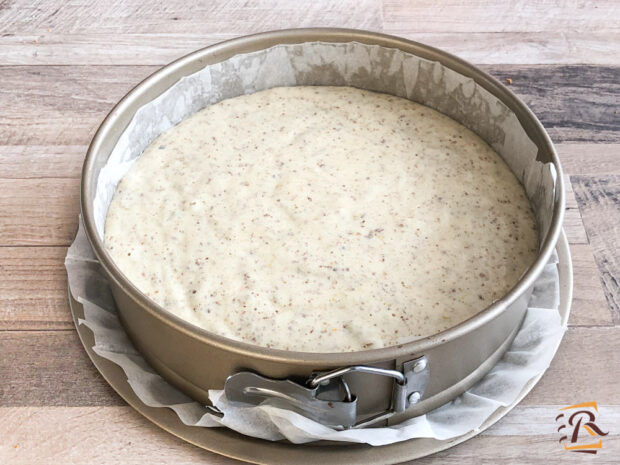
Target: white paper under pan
(528, 356)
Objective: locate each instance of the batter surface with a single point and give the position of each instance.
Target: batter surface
(321, 219)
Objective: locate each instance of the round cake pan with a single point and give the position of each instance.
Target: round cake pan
(388, 384)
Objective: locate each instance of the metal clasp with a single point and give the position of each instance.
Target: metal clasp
(327, 397)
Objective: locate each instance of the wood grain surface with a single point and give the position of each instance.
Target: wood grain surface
(63, 65)
(599, 202)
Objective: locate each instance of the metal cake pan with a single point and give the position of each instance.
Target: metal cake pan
(196, 360)
(229, 443)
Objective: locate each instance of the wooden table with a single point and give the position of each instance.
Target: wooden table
(63, 65)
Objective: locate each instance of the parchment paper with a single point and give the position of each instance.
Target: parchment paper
(358, 65)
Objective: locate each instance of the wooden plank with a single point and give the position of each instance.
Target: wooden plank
(581, 370)
(126, 48)
(591, 159)
(39, 211)
(526, 420)
(101, 435)
(573, 226)
(60, 105)
(111, 435)
(589, 306)
(574, 103)
(49, 368)
(500, 16)
(244, 17)
(55, 371)
(599, 199)
(191, 16)
(538, 449)
(35, 161)
(63, 105)
(518, 48)
(87, 33)
(156, 48)
(33, 288)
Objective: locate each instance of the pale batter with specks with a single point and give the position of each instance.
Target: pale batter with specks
(321, 219)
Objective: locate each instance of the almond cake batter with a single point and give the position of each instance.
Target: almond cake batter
(321, 219)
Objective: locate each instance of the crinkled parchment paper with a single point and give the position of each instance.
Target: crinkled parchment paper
(351, 64)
